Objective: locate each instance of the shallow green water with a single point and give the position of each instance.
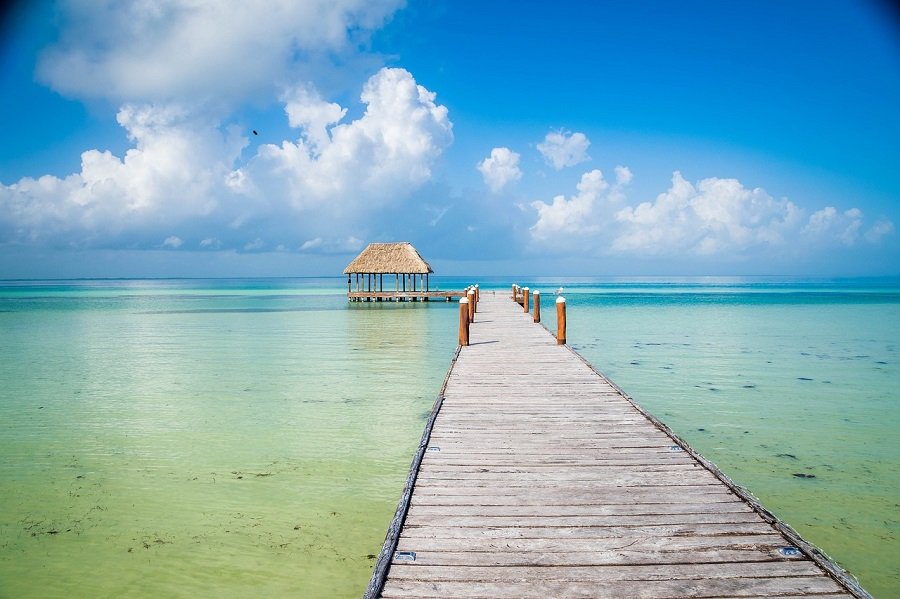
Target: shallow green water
(252, 437)
(203, 441)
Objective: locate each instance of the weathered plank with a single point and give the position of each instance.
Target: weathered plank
(542, 479)
(622, 529)
(513, 574)
(414, 519)
(650, 589)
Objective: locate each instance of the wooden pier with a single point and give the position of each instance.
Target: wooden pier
(537, 477)
(404, 296)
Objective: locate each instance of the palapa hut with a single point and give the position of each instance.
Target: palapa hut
(378, 259)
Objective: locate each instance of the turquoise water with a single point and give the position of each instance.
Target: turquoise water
(252, 437)
(770, 380)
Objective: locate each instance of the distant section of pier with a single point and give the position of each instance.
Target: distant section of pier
(537, 477)
(404, 296)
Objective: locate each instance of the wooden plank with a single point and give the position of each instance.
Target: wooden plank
(622, 529)
(413, 519)
(584, 509)
(597, 544)
(540, 589)
(619, 557)
(513, 574)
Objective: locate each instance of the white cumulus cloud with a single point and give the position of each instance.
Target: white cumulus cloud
(500, 168)
(370, 161)
(841, 226)
(715, 216)
(561, 149)
(173, 173)
(623, 175)
(135, 50)
(187, 172)
(574, 215)
(879, 229)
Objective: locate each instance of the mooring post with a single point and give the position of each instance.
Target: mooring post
(561, 320)
(514, 291)
(537, 305)
(477, 293)
(526, 305)
(463, 321)
(471, 301)
(474, 293)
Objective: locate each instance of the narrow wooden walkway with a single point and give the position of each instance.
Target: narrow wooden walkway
(538, 478)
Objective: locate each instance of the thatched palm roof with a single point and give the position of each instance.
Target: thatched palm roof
(389, 258)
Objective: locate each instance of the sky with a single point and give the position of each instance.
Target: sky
(199, 138)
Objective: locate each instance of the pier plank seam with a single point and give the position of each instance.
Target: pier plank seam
(496, 506)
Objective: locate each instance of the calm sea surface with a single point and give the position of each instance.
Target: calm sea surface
(251, 437)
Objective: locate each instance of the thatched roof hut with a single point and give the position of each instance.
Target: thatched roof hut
(389, 258)
(379, 259)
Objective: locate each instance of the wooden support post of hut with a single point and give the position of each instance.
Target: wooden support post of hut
(398, 259)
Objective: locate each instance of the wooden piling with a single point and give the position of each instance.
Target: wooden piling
(526, 306)
(470, 295)
(537, 305)
(561, 320)
(463, 321)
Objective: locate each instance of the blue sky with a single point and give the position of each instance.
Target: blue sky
(567, 138)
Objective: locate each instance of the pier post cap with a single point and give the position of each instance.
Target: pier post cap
(536, 292)
(524, 288)
(463, 300)
(560, 300)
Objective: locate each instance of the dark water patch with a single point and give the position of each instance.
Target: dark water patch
(714, 389)
(803, 475)
(702, 430)
(635, 363)
(786, 455)
(749, 386)
(803, 378)
(881, 362)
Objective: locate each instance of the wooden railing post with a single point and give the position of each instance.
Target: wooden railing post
(537, 305)
(514, 291)
(561, 320)
(463, 321)
(474, 292)
(526, 306)
(471, 301)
